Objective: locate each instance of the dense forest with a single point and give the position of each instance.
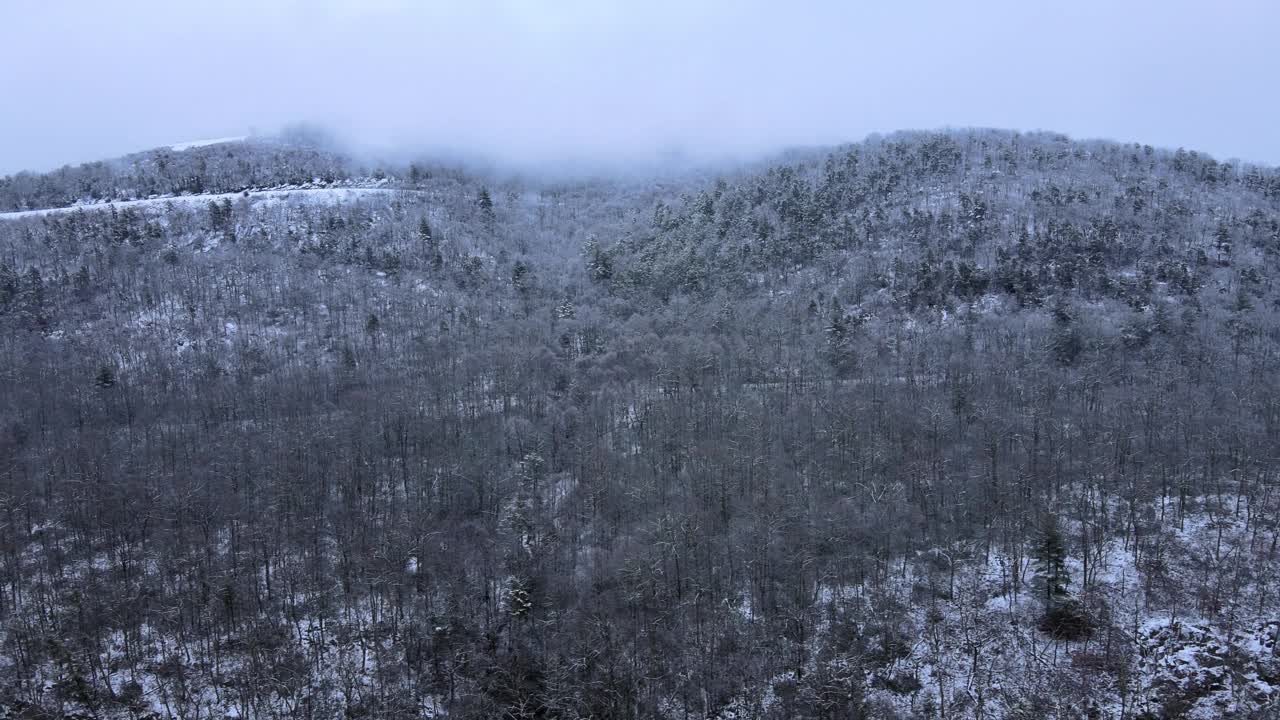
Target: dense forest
(973, 424)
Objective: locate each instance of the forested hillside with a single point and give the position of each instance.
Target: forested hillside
(294, 158)
(972, 424)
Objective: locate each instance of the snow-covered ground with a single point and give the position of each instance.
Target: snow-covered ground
(976, 649)
(179, 147)
(322, 195)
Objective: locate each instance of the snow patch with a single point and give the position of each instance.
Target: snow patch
(317, 195)
(179, 147)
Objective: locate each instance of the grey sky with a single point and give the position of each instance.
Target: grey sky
(82, 80)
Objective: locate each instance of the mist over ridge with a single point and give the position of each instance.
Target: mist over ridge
(623, 83)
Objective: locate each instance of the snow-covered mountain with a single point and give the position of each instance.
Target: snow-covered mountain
(974, 424)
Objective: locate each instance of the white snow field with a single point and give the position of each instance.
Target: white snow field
(321, 195)
(179, 147)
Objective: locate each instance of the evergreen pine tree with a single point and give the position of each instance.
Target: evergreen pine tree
(427, 237)
(1051, 565)
(1222, 243)
(8, 287)
(1067, 344)
(106, 377)
(520, 276)
(33, 301)
(599, 264)
(839, 331)
(485, 202)
(83, 284)
(1064, 618)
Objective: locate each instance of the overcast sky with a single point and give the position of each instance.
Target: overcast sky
(86, 79)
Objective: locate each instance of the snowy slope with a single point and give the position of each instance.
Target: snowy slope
(322, 195)
(179, 147)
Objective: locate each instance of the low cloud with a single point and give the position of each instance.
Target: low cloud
(574, 80)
